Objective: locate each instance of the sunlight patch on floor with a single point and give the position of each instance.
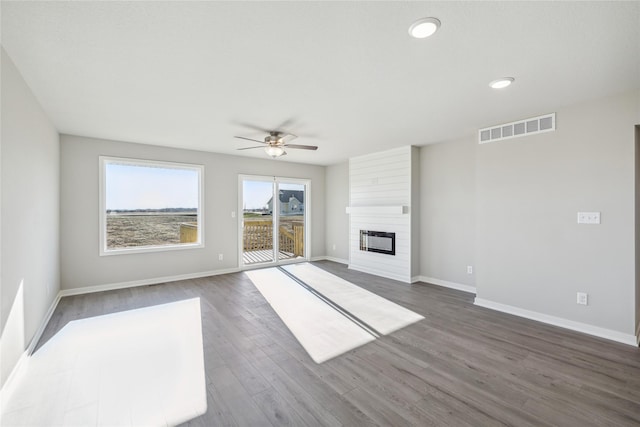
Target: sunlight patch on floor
(323, 331)
(137, 367)
(380, 313)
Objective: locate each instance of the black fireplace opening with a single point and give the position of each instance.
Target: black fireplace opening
(378, 241)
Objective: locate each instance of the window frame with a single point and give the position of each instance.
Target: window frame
(103, 161)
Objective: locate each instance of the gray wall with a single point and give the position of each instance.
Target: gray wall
(448, 210)
(637, 198)
(81, 265)
(337, 220)
(30, 214)
(530, 251)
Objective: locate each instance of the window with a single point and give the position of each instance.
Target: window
(149, 206)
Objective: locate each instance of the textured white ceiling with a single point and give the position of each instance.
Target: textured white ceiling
(342, 75)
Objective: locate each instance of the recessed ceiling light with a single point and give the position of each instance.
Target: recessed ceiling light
(501, 83)
(424, 27)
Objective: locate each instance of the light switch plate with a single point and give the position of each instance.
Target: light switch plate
(588, 217)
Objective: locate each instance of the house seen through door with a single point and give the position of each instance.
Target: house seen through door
(274, 220)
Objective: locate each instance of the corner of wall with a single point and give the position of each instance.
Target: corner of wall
(447, 216)
(30, 278)
(637, 224)
(415, 211)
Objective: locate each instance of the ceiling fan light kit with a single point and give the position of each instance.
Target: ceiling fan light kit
(274, 151)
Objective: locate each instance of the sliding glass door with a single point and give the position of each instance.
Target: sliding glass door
(274, 220)
(256, 222)
(290, 220)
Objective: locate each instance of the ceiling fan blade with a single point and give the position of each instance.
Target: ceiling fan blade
(291, 121)
(287, 137)
(302, 147)
(250, 139)
(249, 148)
(253, 127)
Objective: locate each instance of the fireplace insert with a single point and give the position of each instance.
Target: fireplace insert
(378, 241)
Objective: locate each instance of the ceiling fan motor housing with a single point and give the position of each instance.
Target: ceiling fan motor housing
(272, 139)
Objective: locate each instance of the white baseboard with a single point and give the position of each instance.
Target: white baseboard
(559, 321)
(165, 279)
(12, 379)
(381, 274)
(446, 284)
(638, 335)
(144, 282)
(43, 325)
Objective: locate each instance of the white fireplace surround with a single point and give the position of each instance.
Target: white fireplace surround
(377, 210)
(382, 189)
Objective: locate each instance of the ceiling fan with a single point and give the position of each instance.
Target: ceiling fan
(275, 143)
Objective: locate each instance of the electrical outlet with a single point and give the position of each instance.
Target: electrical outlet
(233, 214)
(469, 269)
(220, 257)
(334, 246)
(582, 298)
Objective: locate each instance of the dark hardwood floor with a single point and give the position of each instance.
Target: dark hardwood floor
(461, 366)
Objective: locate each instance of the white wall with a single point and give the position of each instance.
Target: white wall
(530, 251)
(337, 220)
(448, 202)
(81, 265)
(30, 190)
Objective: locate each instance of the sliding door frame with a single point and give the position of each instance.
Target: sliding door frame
(275, 217)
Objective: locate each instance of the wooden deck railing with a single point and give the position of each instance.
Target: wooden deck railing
(258, 235)
(298, 238)
(188, 232)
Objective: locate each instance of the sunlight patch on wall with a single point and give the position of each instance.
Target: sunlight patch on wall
(12, 342)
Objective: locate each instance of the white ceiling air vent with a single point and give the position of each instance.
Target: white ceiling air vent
(540, 124)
